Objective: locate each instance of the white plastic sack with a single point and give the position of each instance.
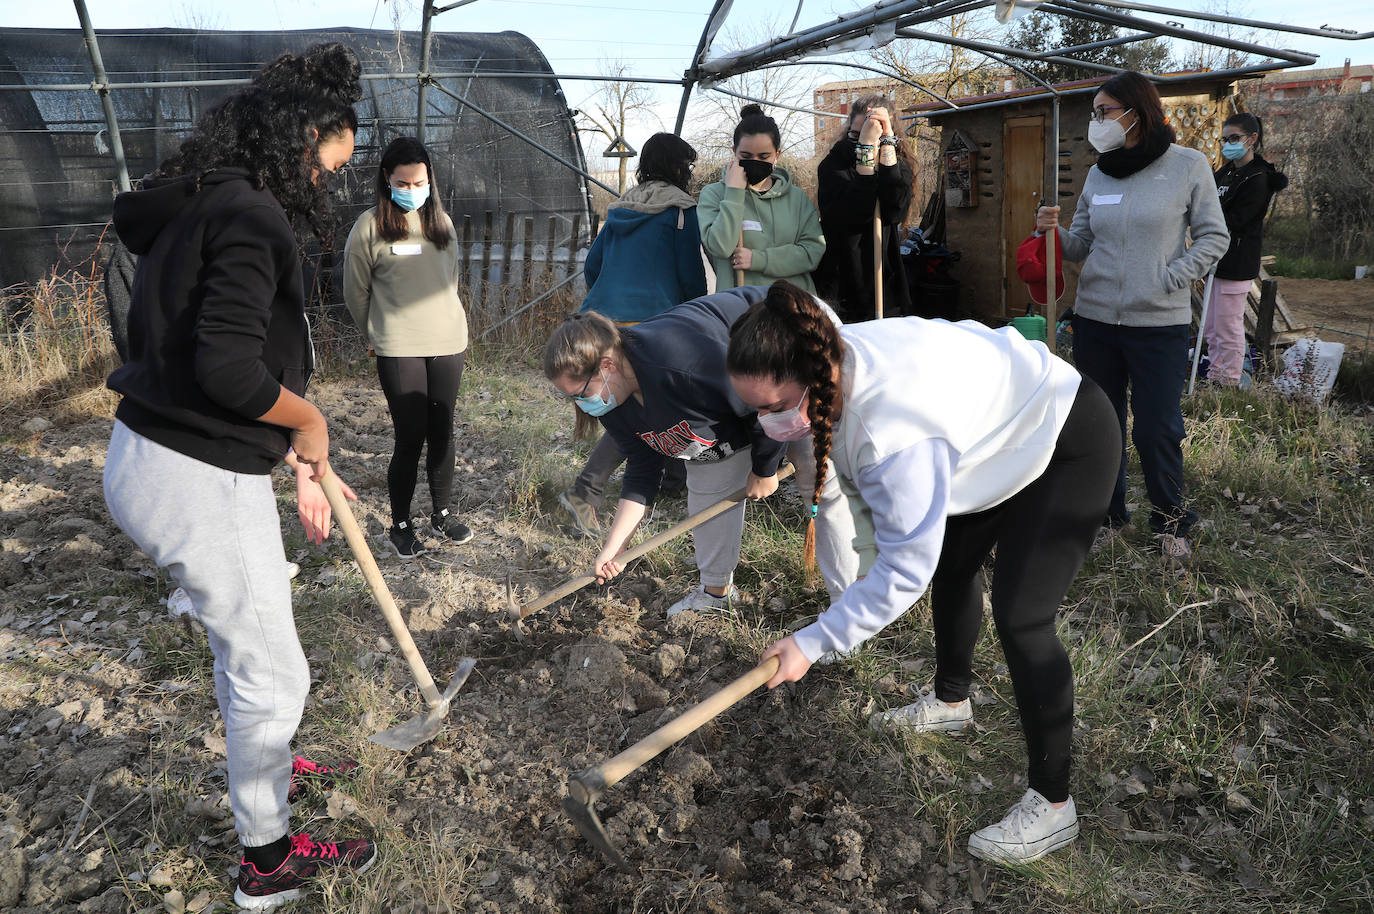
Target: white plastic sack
(1309, 369)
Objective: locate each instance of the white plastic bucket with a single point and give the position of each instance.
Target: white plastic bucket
(1360, 271)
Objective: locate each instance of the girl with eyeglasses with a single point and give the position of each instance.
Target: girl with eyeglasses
(1141, 203)
(1245, 184)
(645, 260)
(660, 391)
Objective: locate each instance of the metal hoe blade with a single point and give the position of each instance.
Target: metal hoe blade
(583, 790)
(423, 727)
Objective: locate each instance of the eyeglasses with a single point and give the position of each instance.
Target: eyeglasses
(1100, 112)
(1233, 137)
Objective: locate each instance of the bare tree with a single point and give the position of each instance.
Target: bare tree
(715, 114)
(1045, 32)
(1194, 55)
(616, 102)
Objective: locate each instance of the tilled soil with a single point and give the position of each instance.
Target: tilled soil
(111, 754)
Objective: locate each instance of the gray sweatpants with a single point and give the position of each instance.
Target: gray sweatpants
(717, 542)
(218, 534)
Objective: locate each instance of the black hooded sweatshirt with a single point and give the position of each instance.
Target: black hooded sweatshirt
(1245, 195)
(217, 323)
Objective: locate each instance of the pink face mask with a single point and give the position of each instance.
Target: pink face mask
(787, 425)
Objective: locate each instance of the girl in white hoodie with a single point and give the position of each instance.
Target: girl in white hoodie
(949, 440)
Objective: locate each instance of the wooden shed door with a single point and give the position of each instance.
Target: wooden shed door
(1023, 158)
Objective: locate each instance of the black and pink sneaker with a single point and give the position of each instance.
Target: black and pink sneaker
(260, 891)
(306, 774)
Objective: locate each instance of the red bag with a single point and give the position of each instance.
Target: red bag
(1030, 266)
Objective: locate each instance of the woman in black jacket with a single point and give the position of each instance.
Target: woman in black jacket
(213, 398)
(1246, 184)
(868, 164)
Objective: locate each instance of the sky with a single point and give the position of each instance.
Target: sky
(652, 38)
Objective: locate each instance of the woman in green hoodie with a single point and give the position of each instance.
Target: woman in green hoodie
(755, 221)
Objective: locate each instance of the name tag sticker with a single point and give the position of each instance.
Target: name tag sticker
(407, 250)
(749, 225)
(1106, 199)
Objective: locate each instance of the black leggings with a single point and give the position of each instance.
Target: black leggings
(420, 392)
(1042, 534)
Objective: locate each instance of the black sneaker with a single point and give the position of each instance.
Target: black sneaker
(306, 774)
(450, 527)
(403, 539)
(260, 891)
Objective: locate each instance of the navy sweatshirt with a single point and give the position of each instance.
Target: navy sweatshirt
(217, 324)
(690, 411)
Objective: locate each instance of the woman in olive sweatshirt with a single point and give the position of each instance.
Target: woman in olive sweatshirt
(755, 220)
(401, 286)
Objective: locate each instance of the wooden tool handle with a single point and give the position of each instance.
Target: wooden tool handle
(650, 544)
(739, 274)
(877, 259)
(1051, 293)
(614, 770)
(357, 543)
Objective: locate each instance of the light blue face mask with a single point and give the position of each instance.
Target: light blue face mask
(410, 200)
(1233, 151)
(595, 405)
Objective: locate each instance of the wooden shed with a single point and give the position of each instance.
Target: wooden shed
(994, 151)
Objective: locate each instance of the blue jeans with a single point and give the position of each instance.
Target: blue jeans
(1153, 363)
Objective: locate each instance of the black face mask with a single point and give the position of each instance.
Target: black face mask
(755, 171)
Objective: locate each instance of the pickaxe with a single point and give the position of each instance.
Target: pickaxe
(586, 787)
(404, 736)
(519, 613)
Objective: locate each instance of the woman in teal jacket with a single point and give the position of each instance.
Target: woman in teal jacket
(755, 220)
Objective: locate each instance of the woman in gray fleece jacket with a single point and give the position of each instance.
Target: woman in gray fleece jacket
(1140, 204)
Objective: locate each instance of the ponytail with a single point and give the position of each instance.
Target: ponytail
(753, 121)
(787, 337)
(1250, 124)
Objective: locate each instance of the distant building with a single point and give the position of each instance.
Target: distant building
(1345, 80)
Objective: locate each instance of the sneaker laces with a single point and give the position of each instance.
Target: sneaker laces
(302, 846)
(1021, 817)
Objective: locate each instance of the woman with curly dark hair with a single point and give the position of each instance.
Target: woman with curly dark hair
(401, 286)
(219, 359)
(950, 441)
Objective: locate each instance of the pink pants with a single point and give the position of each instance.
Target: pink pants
(1225, 330)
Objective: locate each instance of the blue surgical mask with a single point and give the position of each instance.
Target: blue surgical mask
(410, 200)
(594, 405)
(1233, 151)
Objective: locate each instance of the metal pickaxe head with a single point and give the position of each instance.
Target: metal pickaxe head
(584, 789)
(513, 610)
(423, 727)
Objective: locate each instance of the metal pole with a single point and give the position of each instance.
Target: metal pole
(1201, 323)
(1052, 289)
(772, 104)
(858, 66)
(423, 78)
(520, 136)
(689, 77)
(102, 86)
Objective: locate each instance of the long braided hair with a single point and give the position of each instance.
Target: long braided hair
(787, 337)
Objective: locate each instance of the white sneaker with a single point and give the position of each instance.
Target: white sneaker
(701, 601)
(1030, 830)
(924, 716)
(179, 604)
(292, 569)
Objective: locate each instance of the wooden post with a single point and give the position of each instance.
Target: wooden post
(527, 258)
(1264, 321)
(877, 259)
(574, 242)
(465, 261)
(548, 251)
(484, 280)
(596, 227)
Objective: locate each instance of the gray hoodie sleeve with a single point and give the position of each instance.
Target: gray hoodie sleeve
(1077, 240)
(1206, 225)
